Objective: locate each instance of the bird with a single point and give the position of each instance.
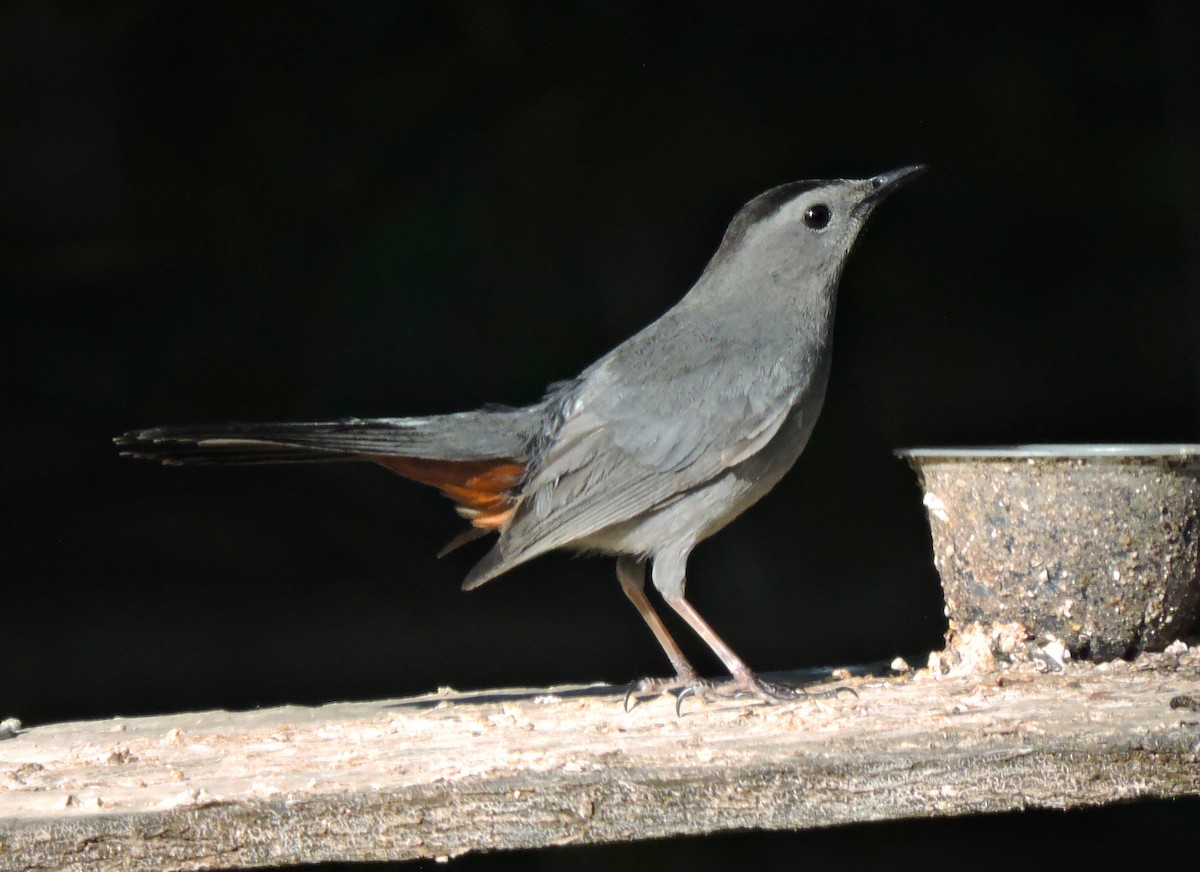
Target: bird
(651, 449)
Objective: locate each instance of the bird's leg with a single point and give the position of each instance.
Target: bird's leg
(670, 579)
(632, 574)
(744, 679)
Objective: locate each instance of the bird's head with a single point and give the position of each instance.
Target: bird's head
(801, 229)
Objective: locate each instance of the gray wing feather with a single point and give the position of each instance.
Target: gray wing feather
(625, 449)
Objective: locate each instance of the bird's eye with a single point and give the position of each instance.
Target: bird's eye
(816, 217)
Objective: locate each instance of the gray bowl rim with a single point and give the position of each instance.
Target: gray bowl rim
(1064, 451)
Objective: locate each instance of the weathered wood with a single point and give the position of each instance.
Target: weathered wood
(445, 774)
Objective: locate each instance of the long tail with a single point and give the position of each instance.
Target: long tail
(475, 458)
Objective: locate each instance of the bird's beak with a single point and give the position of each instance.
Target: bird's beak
(886, 183)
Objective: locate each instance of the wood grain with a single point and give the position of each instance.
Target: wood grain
(448, 773)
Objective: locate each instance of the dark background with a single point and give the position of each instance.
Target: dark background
(215, 211)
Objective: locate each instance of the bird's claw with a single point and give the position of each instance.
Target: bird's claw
(651, 688)
(631, 698)
(682, 694)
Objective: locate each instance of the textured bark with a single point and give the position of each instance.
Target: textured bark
(449, 773)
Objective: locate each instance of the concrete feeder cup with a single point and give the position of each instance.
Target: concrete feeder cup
(1095, 545)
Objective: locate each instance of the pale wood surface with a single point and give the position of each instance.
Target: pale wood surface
(445, 774)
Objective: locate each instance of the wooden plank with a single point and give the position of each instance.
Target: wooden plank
(448, 773)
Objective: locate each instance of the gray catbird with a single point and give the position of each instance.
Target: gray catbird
(656, 446)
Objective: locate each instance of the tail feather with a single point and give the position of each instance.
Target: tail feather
(477, 459)
(466, 436)
(172, 447)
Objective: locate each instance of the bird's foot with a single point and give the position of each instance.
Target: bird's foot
(749, 684)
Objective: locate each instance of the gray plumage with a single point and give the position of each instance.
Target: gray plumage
(654, 447)
(479, 435)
